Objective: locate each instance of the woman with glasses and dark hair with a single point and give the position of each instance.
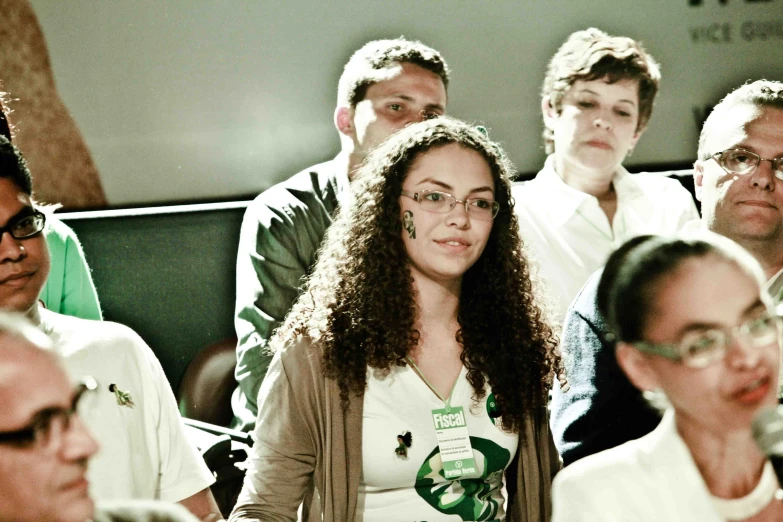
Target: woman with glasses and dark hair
(597, 100)
(698, 335)
(410, 379)
(739, 173)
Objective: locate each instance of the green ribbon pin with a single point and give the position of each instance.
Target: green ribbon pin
(123, 398)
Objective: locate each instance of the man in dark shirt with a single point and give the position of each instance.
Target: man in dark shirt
(386, 85)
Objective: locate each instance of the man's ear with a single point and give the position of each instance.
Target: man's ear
(343, 120)
(549, 112)
(698, 178)
(637, 367)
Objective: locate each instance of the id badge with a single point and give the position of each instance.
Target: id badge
(456, 454)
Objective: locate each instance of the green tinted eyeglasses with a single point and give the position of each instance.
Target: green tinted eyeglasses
(703, 348)
(741, 161)
(24, 226)
(50, 424)
(442, 202)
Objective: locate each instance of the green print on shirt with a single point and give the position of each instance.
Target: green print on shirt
(469, 498)
(492, 409)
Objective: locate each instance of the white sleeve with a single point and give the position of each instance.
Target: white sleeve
(571, 503)
(183, 472)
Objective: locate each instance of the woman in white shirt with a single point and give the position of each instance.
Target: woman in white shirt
(696, 332)
(409, 381)
(597, 99)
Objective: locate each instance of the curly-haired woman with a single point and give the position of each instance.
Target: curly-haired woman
(409, 381)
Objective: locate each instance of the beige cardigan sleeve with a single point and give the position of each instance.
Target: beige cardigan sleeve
(304, 440)
(283, 457)
(537, 463)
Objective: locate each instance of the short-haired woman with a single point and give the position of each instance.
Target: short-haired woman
(596, 101)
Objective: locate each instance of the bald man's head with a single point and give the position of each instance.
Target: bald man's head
(44, 447)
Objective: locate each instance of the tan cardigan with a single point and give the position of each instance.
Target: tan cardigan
(303, 437)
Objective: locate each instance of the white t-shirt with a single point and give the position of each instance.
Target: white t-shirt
(650, 479)
(144, 453)
(411, 487)
(570, 237)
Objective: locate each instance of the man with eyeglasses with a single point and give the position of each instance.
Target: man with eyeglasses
(69, 289)
(386, 85)
(739, 181)
(739, 174)
(44, 445)
(145, 453)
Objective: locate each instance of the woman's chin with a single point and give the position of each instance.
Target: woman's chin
(597, 160)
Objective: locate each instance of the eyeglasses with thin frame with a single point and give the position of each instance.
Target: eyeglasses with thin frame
(703, 348)
(442, 202)
(48, 426)
(24, 226)
(741, 161)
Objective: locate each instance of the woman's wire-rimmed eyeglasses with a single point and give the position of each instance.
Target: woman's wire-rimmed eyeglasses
(442, 202)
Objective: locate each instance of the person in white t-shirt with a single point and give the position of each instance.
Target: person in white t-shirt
(45, 447)
(698, 334)
(597, 99)
(414, 368)
(145, 453)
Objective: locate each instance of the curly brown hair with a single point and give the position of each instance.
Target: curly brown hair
(359, 304)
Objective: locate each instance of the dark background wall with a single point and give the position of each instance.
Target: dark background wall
(168, 273)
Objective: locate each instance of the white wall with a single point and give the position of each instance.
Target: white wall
(207, 99)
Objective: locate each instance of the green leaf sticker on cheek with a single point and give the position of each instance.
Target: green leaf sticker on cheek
(407, 224)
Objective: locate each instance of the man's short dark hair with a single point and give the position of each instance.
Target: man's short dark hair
(592, 54)
(14, 167)
(362, 70)
(761, 93)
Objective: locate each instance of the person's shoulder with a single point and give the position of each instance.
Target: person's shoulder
(621, 463)
(313, 180)
(312, 195)
(658, 182)
(57, 230)
(61, 323)
(75, 331)
(302, 351)
(141, 511)
(586, 301)
(301, 359)
(529, 189)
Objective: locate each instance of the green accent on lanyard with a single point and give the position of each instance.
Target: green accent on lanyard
(446, 401)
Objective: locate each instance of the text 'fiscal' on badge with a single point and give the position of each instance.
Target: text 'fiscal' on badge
(448, 420)
(456, 453)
